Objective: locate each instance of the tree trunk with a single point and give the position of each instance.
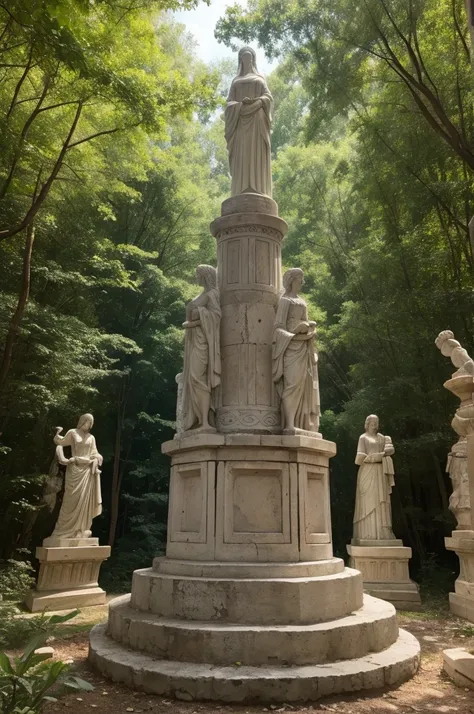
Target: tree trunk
(20, 309)
(116, 474)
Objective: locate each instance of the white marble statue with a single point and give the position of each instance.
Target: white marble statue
(202, 359)
(457, 468)
(294, 358)
(453, 349)
(461, 382)
(375, 479)
(248, 117)
(82, 500)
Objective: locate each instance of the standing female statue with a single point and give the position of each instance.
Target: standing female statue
(373, 512)
(294, 358)
(202, 359)
(248, 117)
(82, 500)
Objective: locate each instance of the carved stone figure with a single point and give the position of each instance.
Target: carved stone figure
(375, 479)
(82, 500)
(294, 358)
(457, 468)
(461, 382)
(248, 117)
(453, 349)
(202, 360)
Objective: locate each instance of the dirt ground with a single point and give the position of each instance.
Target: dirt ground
(429, 691)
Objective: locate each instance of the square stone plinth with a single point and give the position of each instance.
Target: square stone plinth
(68, 577)
(461, 602)
(249, 498)
(385, 573)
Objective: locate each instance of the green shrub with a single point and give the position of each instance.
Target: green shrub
(26, 683)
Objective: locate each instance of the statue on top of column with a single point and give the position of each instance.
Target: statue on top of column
(248, 118)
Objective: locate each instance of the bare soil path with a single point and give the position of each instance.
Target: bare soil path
(429, 691)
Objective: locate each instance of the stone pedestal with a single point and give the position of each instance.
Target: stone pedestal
(68, 575)
(249, 602)
(384, 569)
(461, 601)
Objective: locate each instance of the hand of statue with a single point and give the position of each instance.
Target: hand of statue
(100, 459)
(302, 328)
(58, 430)
(191, 323)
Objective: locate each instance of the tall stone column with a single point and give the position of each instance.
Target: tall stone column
(249, 235)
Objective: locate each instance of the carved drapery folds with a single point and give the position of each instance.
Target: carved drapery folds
(294, 359)
(248, 117)
(375, 479)
(82, 500)
(202, 357)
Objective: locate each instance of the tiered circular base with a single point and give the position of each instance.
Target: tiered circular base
(229, 632)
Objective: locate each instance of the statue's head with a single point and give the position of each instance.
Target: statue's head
(446, 343)
(86, 422)
(372, 424)
(293, 280)
(206, 276)
(247, 61)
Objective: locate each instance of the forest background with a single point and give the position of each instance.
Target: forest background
(112, 166)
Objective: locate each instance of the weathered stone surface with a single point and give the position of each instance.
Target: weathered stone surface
(268, 601)
(369, 629)
(458, 664)
(269, 683)
(68, 577)
(385, 574)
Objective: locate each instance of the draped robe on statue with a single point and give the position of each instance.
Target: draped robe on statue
(247, 132)
(202, 362)
(373, 513)
(295, 364)
(82, 500)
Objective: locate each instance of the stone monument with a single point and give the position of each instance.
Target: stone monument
(381, 558)
(249, 602)
(461, 470)
(70, 558)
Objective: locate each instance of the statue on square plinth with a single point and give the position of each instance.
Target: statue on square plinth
(375, 480)
(82, 500)
(202, 358)
(374, 550)
(294, 359)
(248, 118)
(70, 558)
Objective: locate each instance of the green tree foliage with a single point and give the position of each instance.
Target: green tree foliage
(378, 192)
(90, 309)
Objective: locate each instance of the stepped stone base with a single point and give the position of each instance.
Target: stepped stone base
(385, 573)
(269, 683)
(249, 602)
(461, 602)
(68, 577)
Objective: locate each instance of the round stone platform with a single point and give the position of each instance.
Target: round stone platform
(197, 681)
